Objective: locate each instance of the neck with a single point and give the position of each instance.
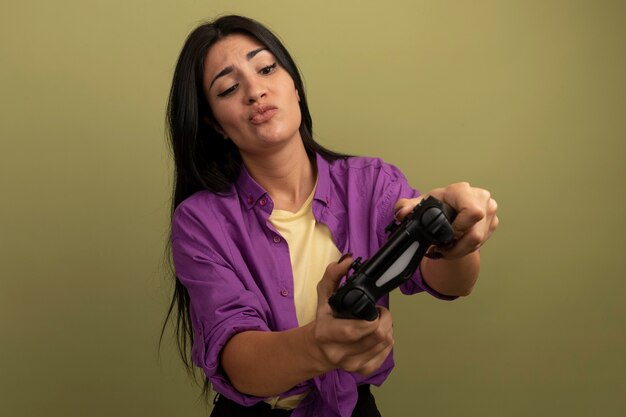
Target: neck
(287, 175)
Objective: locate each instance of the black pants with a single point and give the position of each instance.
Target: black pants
(365, 407)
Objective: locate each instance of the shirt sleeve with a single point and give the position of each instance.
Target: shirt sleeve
(394, 187)
(220, 305)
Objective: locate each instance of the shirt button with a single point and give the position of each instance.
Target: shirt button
(249, 199)
(263, 202)
(284, 293)
(276, 239)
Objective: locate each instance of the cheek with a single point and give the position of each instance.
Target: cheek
(293, 102)
(226, 116)
(297, 114)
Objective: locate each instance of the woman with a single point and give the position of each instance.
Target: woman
(261, 215)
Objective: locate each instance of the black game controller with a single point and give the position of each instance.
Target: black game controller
(396, 261)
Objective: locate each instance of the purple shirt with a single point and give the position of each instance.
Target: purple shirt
(237, 269)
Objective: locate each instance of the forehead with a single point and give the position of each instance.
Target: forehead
(228, 51)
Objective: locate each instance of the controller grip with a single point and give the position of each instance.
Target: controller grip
(358, 304)
(396, 261)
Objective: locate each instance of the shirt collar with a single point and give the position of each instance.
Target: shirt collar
(251, 192)
(322, 191)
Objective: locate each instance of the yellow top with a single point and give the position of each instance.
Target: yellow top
(311, 249)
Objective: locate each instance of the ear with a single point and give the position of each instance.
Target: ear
(215, 125)
(298, 95)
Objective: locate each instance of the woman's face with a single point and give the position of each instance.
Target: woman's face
(253, 99)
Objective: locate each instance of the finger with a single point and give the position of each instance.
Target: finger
(371, 333)
(467, 218)
(492, 206)
(376, 361)
(494, 224)
(357, 356)
(351, 335)
(468, 243)
(463, 199)
(403, 202)
(472, 240)
(329, 282)
(471, 205)
(404, 206)
(367, 346)
(385, 319)
(361, 335)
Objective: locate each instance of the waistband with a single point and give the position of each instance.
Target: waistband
(223, 407)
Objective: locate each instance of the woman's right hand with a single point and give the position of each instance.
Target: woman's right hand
(352, 345)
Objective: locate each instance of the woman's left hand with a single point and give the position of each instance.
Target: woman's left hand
(476, 218)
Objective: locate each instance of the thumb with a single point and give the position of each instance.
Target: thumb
(334, 271)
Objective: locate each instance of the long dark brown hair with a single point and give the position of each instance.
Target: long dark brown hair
(203, 160)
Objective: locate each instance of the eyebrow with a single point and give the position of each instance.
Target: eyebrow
(230, 68)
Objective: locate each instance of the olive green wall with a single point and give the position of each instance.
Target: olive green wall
(524, 98)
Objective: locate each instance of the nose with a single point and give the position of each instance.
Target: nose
(256, 90)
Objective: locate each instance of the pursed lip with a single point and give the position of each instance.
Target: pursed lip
(262, 114)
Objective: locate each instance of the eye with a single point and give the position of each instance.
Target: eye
(228, 91)
(268, 69)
